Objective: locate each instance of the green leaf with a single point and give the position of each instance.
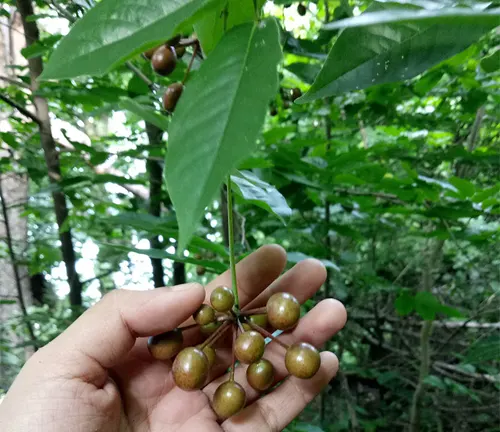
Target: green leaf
(7, 302)
(210, 28)
(40, 47)
(405, 303)
(295, 257)
(491, 63)
(219, 116)
(145, 112)
(114, 31)
(435, 381)
(395, 44)
(484, 351)
(305, 71)
(427, 305)
(260, 193)
(465, 187)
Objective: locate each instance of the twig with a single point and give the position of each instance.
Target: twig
(20, 108)
(186, 74)
(152, 86)
(255, 311)
(14, 82)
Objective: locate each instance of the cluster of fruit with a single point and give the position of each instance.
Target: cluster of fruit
(288, 96)
(250, 328)
(163, 61)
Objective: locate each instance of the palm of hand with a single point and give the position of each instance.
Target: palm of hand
(99, 376)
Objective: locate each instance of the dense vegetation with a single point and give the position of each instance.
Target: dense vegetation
(371, 144)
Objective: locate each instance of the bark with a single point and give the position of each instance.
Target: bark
(155, 171)
(51, 155)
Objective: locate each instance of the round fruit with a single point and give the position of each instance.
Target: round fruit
(180, 51)
(259, 319)
(200, 270)
(222, 299)
(149, 53)
(210, 354)
(302, 360)
(166, 345)
(229, 399)
(164, 60)
(249, 347)
(190, 369)
(172, 95)
(301, 9)
(295, 93)
(204, 315)
(208, 329)
(260, 375)
(246, 327)
(283, 311)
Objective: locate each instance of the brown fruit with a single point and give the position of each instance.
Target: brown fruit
(260, 375)
(200, 270)
(190, 369)
(210, 354)
(301, 9)
(295, 93)
(164, 60)
(302, 360)
(229, 399)
(204, 315)
(249, 347)
(283, 311)
(180, 51)
(222, 299)
(208, 329)
(172, 95)
(259, 319)
(149, 53)
(166, 345)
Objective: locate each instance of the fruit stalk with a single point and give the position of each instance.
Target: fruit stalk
(233, 363)
(216, 335)
(232, 260)
(256, 311)
(195, 49)
(265, 333)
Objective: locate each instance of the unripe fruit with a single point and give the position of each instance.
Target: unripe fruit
(172, 95)
(190, 369)
(204, 315)
(222, 299)
(249, 347)
(229, 399)
(283, 311)
(210, 354)
(166, 345)
(301, 9)
(259, 319)
(164, 60)
(295, 93)
(180, 51)
(302, 360)
(208, 329)
(260, 375)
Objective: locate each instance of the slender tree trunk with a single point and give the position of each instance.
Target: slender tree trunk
(155, 171)
(51, 154)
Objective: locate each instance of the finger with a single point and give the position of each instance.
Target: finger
(302, 280)
(319, 325)
(107, 332)
(275, 410)
(254, 273)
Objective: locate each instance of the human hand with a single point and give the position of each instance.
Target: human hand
(99, 376)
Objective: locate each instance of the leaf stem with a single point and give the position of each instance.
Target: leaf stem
(232, 259)
(265, 333)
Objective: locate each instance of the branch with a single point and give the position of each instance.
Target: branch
(20, 108)
(389, 197)
(14, 267)
(14, 82)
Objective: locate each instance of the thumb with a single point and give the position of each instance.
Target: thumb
(106, 332)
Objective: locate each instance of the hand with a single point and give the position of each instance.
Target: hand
(98, 375)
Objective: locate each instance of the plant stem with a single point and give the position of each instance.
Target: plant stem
(255, 311)
(265, 333)
(216, 335)
(232, 260)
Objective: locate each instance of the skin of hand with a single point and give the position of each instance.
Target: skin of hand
(99, 376)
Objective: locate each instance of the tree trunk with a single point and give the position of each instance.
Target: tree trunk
(51, 155)
(155, 171)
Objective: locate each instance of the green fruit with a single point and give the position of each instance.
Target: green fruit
(259, 319)
(222, 299)
(260, 375)
(283, 311)
(190, 369)
(210, 354)
(204, 315)
(229, 399)
(302, 360)
(166, 345)
(208, 329)
(249, 347)
(172, 95)
(301, 9)
(164, 60)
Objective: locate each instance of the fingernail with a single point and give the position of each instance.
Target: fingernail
(185, 287)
